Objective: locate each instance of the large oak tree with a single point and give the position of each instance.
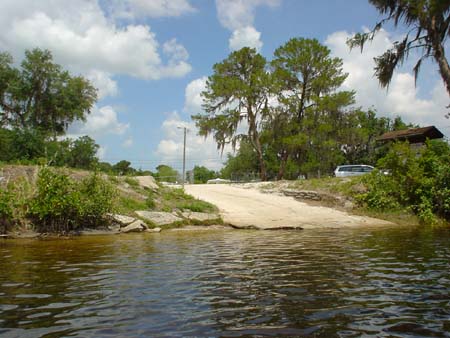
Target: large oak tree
(41, 95)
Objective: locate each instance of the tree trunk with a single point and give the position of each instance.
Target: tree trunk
(262, 170)
(284, 159)
(444, 68)
(439, 54)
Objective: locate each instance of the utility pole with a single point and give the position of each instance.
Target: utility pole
(184, 156)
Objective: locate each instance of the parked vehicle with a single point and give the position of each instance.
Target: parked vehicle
(352, 170)
(218, 181)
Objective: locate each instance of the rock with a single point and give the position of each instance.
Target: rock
(122, 220)
(153, 230)
(136, 226)
(349, 205)
(147, 182)
(199, 216)
(159, 217)
(290, 192)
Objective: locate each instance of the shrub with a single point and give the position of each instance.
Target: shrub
(419, 181)
(96, 200)
(6, 211)
(62, 205)
(55, 207)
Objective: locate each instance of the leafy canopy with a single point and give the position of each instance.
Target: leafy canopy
(428, 23)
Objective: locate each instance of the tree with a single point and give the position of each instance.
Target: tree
(166, 173)
(238, 90)
(203, 174)
(428, 21)
(306, 122)
(123, 167)
(41, 95)
(242, 164)
(83, 153)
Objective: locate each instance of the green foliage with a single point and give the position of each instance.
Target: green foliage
(150, 201)
(244, 162)
(132, 182)
(6, 210)
(32, 146)
(165, 173)
(428, 23)
(419, 180)
(41, 95)
(123, 168)
(177, 199)
(82, 153)
(62, 205)
(97, 199)
(237, 91)
(203, 174)
(127, 204)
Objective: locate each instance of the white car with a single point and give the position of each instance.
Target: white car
(218, 181)
(353, 170)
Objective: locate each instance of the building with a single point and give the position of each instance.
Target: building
(416, 136)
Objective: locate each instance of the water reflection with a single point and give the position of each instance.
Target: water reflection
(349, 282)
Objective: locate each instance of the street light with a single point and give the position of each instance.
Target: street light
(184, 155)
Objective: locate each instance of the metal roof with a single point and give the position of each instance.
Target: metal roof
(430, 132)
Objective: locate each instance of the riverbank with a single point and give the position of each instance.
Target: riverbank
(42, 201)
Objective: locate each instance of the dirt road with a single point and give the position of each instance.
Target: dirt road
(247, 208)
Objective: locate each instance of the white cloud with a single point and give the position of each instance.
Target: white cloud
(245, 37)
(193, 100)
(238, 16)
(128, 142)
(83, 39)
(101, 152)
(131, 9)
(100, 122)
(402, 98)
(103, 82)
(199, 151)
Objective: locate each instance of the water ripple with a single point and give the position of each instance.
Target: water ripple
(390, 282)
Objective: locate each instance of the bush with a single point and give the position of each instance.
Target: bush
(96, 200)
(62, 205)
(419, 181)
(6, 211)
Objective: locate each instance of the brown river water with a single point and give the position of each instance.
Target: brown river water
(385, 282)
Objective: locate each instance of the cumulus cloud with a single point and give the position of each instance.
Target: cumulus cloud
(192, 96)
(100, 122)
(132, 9)
(402, 98)
(85, 40)
(245, 37)
(238, 17)
(103, 82)
(199, 151)
(128, 142)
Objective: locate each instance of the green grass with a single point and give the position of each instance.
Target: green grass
(343, 186)
(176, 199)
(132, 182)
(127, 205)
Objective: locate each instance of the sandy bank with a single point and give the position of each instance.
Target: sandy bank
(249, 208)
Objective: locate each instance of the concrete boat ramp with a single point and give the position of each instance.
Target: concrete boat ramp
(249, 208)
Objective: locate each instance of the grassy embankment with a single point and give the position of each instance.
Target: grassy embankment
(66, 200)
(354, 190)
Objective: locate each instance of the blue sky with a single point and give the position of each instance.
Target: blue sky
(149, 60)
